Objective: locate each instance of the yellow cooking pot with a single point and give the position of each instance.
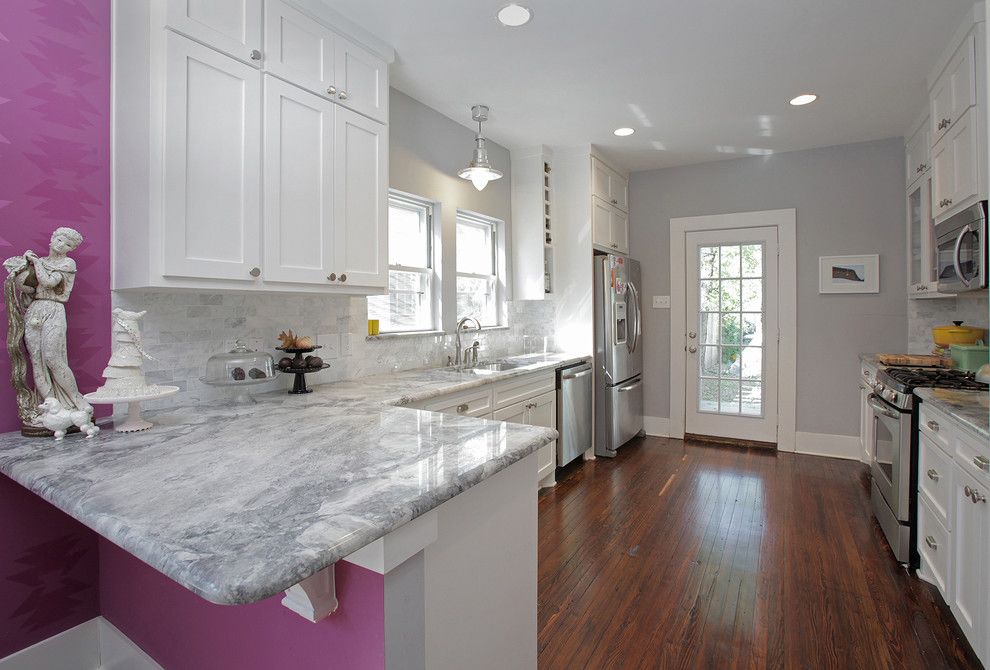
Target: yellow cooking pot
(957, 334)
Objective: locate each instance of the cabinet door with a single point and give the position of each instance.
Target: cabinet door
(231, 26)
(619, 190)
(299, 49)
(971, 543)
(916, 154)
(360, 196)
(211, 226)
(955, 90)
(619, 223)
(362, 80)
(600, 175)
(298, 184)
(518, 413)
(956, 176)
(601, 223)
(543, 410)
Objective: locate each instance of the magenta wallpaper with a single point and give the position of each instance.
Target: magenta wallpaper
(55, 158)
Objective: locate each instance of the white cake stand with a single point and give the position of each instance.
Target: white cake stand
(134, 422)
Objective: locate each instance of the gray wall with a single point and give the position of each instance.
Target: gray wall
(426, 150)
(850, 200)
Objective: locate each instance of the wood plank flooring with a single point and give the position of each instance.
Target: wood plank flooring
(684, 555)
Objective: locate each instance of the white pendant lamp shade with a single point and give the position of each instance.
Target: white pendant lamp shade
(480, 171)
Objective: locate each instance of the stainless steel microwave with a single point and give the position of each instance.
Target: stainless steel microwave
(962, 250)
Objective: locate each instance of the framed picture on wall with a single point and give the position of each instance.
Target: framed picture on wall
(849, 274)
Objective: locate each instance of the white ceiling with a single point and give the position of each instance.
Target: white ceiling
(699, 80)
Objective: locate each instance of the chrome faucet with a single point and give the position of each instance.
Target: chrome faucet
(462, 325)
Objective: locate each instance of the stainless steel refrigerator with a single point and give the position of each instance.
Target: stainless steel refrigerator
(618, 353)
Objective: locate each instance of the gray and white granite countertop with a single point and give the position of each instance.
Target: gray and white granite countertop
(240, 502)
(969, 408)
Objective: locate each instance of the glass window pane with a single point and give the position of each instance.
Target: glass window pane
(475, 254)
(710, 361)
(476, 297)
(708, 395)
(708, 328)
(708, 262)
(752, 363)
(730, 262)
(730, 362)
(730, 329)
(752, 329)
(752, 295)
(709, 296)
(731, 292)
(752, 260)
(728, 397)
(752, 399)
(408, 236)
(407, 306)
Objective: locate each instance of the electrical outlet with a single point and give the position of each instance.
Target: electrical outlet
(331, 346)
(661, 302)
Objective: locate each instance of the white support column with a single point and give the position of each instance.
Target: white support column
(314, 598)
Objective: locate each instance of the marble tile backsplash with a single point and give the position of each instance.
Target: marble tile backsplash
(923, 315)
(183, 329)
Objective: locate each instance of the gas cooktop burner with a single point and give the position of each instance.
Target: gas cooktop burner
(905, 379)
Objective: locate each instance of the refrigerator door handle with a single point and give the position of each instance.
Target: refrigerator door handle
(637, 323)
(629, 387)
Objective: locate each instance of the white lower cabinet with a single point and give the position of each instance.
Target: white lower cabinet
(954, 523)
(528, 399)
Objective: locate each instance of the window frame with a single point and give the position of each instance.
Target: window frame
(429, 208)
(497, 230)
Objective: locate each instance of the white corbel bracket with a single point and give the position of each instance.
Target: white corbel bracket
(314, 598)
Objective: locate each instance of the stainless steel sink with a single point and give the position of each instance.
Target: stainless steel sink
(487, 367)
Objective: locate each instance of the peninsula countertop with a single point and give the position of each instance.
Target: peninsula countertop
(970, 408)
(240, 502)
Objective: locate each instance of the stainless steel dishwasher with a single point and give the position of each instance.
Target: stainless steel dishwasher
(574, 411)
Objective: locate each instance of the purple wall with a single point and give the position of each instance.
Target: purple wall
(55, 158)
(181, 630)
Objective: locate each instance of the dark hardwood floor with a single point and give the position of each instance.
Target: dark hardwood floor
(680, 554)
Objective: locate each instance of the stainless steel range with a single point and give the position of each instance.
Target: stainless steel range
(894, 414)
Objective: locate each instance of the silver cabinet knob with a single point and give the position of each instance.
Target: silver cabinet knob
(343, 277)
(968, 492)
(982, 463)
(932, 424)
(255, 272)
(462, 408)
(948, 202)
(255, 54)
(614, 201)
(933, 474)
(332, 276)
(342, 95)
(692, 349)
(930, 541)
(331, 90)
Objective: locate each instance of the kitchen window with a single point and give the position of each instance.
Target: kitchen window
(410, 304)
(480, 269)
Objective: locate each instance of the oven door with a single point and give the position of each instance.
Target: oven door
(962, 251)
(891, 466)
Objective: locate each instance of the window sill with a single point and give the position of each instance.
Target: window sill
(427, 333)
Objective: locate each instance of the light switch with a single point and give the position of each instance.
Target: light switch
(661, 302)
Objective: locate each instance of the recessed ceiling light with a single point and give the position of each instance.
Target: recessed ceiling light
(623, 132)
(804, 99)
(514, 15)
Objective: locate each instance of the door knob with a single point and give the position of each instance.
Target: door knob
(692, 335)
(692, 349)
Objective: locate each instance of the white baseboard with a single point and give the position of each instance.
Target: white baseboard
(834, 446)
(93, 645)
(656, 426)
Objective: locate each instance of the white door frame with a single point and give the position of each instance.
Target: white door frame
(785, 221)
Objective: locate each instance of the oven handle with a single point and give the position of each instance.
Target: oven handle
(880, 408)
(955, 257)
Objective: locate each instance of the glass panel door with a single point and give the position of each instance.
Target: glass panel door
(915, 220)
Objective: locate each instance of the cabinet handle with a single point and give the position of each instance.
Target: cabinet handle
(946, 123)
(982, 463)
(933, 474)
(462, 408)
(932, 424)
(614, 201)
(255, 272)
(930, 541)
(948, 202)
(255, 54)
(332, 276)
(342, 95)
(331, 90)
(531, 405)
(343, 277)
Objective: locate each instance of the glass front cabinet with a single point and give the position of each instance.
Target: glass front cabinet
(922, 280)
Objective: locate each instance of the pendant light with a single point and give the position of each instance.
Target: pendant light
(480, 170)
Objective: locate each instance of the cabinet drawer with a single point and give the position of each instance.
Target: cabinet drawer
(935, 547)
(935, 427)
(521, 388)
(935, 477)
(973, 457)
(469, 403)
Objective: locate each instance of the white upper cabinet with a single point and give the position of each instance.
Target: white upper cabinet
(955, 182)
(917, 153)
(299, 49)
(212, 164)
(299, 162)
(955, 89)
(609, 185)
(232, 26)
(362, 80)
(609, 226)
(360, 196)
